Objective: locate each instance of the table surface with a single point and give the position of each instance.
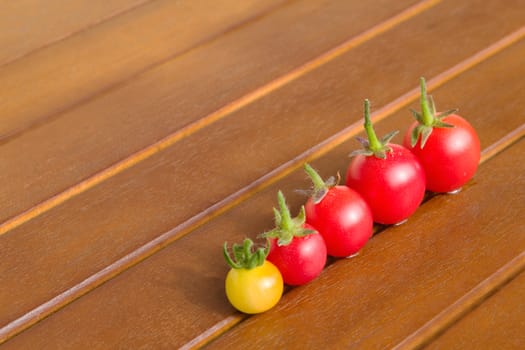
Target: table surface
(137, 136)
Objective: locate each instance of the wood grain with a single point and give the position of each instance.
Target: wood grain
(158, 103)
(82, 66)
(169, 280)
(496, 324)
(27, 25)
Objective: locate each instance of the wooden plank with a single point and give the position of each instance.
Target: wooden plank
(461, 307)
(186, 275)
(158, 103)
(498, 323)
(95, 60)
(26, 25)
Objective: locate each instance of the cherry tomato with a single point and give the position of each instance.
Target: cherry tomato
(340, 214)
(253, 284)
(296, 248)
(388, 176)
(446, 145)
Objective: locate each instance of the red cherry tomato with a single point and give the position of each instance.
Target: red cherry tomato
(446, 145)
(296, 248)
(300, 261)
(388, 176)
(340, 214)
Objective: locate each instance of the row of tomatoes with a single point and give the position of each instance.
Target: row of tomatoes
(385, 183)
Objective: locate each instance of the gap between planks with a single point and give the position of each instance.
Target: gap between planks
(65, 36)
(27, 320)
(219, 114)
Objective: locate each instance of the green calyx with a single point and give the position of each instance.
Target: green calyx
(320, 187)
(286, 227)
(428, 119)
(244, 256)
(372, 146)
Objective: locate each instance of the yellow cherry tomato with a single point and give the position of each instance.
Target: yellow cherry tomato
(254, 290)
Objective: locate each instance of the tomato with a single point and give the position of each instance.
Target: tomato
(340, 214)
(296, 248)
(253, 284)
(388, 176)
(256, 290)
(446, 145)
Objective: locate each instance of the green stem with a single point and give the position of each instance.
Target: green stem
(247, 248)
(286, 218)
(317, 180)
(228, 259)
(244, 256)
(373, 142)
(427, 117)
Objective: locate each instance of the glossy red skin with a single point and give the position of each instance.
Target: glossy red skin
(343, 219)
(393, 187)
(300, 261)
(450, 156)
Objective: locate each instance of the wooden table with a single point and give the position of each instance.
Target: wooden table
(136, 136)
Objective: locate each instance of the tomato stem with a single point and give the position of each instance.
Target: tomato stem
(428, 118)
(321, 187)
(244, 256)
(373, 142)
(286, 227)
(285, 216)
(372, 145)
(427, 115)
(317, 180)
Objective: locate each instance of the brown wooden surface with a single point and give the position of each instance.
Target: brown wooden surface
(184, 170)
(138, 188)
(497, 324)
(118, 49)
(26, 25)
(182, 144)
(161, 102)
